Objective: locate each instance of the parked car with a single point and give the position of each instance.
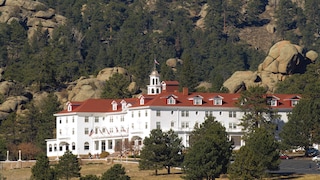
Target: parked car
(316, 158)
(284, 156)
(311, 152)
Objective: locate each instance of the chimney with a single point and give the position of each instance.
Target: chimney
(185, 91)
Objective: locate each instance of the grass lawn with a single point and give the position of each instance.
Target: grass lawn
(132, 171)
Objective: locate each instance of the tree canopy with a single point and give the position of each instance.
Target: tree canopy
(209, 153)
(258, 155)
(68, 166)
(161, 150)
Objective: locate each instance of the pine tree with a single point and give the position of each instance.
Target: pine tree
(116, 87)
(116, 172)
(209, 152)
(68, 166)
(42, 170)
(258, 155)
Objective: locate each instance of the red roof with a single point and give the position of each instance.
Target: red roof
(182, 100)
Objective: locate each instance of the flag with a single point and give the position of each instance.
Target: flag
(91, 132)
(123, 130)
(100, 131)
(117, 129)
(156, 62)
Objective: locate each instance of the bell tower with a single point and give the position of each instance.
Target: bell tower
(154, 86)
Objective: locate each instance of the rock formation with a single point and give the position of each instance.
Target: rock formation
(32, 13)
(283, 59)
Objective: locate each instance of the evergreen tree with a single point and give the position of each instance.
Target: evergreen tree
(68, 166)
(42, 170)
(90, 177)
(258, 155)
(258, 112)
(116, 172)
(116, 87)
(161, 150)
(209, 152)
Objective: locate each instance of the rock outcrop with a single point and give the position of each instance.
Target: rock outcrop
(32, 13)
(283, 59)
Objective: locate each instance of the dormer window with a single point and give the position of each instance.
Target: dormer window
(294, 102)
(197, 101)
(272, 101)
(217, 101)
(123, 104)
(69, 107)
(114, 105)
(171, 100)
(141, 100)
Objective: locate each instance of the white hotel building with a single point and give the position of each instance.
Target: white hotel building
(98, 125)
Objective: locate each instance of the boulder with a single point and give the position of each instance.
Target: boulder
(7, 12)
(86, 89)
(106, 73)
(45, 14)
(312, 55)
(5, 86)
(34, 22)
(283, 60)
(2, 2)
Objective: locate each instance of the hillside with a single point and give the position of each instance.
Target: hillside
(71, 48)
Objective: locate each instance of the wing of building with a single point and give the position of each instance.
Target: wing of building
(98, 125)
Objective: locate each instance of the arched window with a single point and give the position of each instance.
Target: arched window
(55, 147)
(86, 146)
(50, 148)
(73, 146)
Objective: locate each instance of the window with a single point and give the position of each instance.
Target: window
(146, 125)
(132, 125)
(273, 102)
(139, 113)
(50, 148)
(96, 119)
(60, 131)
(184, 124)
(73, 146)
(158, 125)
(67, 147)
(60, 121)
(208, 113)
(96, 145)
(86, 119)
(111, 130)
(109, 144)
(111, 119)
(86, 130)
(72, 131)
(232, 126)
(72, 119)
(217, 101)
(103, 145)
(197, 101)
(294, 102)
(158, 113)
(232, 114)
(172, 124)
(86, 146)
(96, 131)
(67, 121)
(185, 113)
(171, 100)
(142, 101)
(55, 147)
(60, 147)
(122, 118)
(132, 114)
(146, 113)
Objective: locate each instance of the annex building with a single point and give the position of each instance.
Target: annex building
(97, 125)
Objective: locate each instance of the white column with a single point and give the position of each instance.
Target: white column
(7, 156)
(19, 155)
